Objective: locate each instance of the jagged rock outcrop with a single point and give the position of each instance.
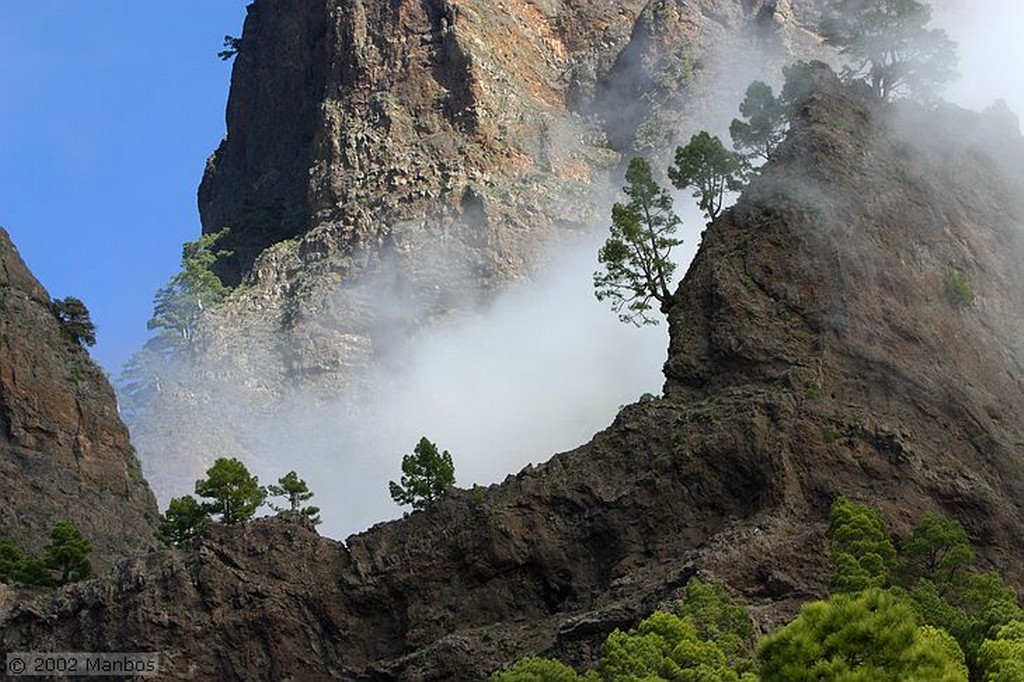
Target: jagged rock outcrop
(444, 144)
(362, 124)
(64, 453)
(390, 163)
(814, 352)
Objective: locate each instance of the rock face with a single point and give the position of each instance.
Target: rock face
(390, 163)
(443, 144)
(64, 453)
(814, 352)
(361, 124)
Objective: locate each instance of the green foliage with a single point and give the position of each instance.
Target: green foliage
(973, 630)
(637, 267)
(669, 647)
(798, 84)
(144, 376)
(709, 640)
(10, 559)
(934, 565)
(889, 46)
(940, 640)
(958, 289)
(534, 669)
(973, 610)
(641, 653)
(184, 519)
(67, 556)
(870, 636)
(295, 490)
(235, 494)
(711, 170)
(176, 311)
(861, 548)
(426, 476)
(33, 571)
(720, 620)
(74, 320)
(195, 288)
(1002, 658)
(764, 124)
(937, 550)
(68, 553)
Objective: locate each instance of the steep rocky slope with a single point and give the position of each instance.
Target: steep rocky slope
(390, 163)
(814, 352)
(64, 453)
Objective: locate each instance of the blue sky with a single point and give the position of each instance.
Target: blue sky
(108, 111)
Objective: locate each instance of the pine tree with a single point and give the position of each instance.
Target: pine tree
(184, 519)
(860, 547)
(636, 257)
(68, 553)
(870, 635)
(194, 289)
(296, 491)
(427, 475)
(235, 494)
(889, 46)
(765, 120)
(74, 319)
(709, 169)
(10, 558)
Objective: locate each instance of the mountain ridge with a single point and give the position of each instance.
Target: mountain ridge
(781, 393)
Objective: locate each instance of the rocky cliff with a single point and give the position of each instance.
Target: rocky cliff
(816, 350)
(64, 453)
(390, 163)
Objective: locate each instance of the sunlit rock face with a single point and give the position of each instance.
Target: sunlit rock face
(392, 166)
(817, 349)
(64, 453)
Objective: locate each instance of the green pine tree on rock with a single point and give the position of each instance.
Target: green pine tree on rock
(233, 492)
(68, 554)
(296, 491)
(184, 519)
(710, 170)
(636, 257)
(427, 476)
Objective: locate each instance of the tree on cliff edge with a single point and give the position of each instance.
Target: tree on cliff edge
(710, 170)
(297, 492)
(889, 45)
(235, 494)
(184, 519)
(75, 322)
(637, 267)
(68, 553)
(427, 475)
(194, 289)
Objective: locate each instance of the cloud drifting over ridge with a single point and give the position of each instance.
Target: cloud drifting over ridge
(539, 370)
(544, 365)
